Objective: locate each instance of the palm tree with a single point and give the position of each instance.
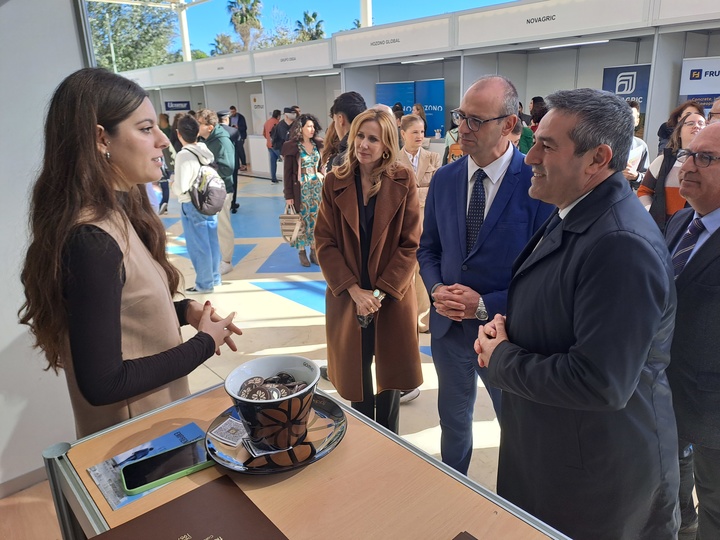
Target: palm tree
(245, 17)
(310, 28)
(224, 44)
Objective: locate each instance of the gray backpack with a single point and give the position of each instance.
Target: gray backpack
(207, 192)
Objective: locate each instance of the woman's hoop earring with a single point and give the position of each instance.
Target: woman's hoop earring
(107, 156)
(385, 154)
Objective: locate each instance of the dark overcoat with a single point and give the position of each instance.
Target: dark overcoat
(391, 267)
(588, 439)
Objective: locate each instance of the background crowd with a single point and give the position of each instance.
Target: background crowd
(524, 250)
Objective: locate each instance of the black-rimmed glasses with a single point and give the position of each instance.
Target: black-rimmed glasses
(472, 122)
(702, 159)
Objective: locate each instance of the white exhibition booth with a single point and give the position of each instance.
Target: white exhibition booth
(507, 39)
(542, 46)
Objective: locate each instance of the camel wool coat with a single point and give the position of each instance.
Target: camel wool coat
(391, 266)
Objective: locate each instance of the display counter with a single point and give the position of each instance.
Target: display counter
(372, 485)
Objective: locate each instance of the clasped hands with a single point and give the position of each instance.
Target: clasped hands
(458, 302)
(490, 336)
(203, 318)
(365, 301)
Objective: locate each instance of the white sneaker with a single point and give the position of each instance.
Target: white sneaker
(225, 267)
(163, 209)
(409, 395)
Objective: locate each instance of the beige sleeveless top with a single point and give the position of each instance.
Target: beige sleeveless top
(149, 326)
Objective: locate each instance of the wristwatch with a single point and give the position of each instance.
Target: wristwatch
(377, 293)
(481, 313)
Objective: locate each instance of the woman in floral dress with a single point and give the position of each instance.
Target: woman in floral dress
(303, 180)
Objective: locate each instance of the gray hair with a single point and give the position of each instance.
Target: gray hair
(603, 118)
(510, 96)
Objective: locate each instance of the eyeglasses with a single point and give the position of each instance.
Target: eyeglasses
(702, 160)
(472, 122)
(712, 115)
(693, 124)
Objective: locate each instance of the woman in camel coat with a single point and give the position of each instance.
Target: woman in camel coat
(367, 233)
(424, 163)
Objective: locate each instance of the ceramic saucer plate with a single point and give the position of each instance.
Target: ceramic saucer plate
(326, 428)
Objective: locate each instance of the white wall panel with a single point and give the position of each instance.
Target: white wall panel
(476, 66)
(362, 80)
(35, 408)
(280, 93)
(313, 100)
(593, 59)
(549, 71)
(221, 96)
(514, 67)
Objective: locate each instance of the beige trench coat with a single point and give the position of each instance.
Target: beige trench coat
(391, 265)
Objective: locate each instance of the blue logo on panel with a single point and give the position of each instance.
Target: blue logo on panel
(695, 74)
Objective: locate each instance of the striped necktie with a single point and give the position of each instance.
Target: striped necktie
(476, 210)
(686, 245)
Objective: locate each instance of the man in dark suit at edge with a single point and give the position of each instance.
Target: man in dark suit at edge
(693, 237)
(470, 239)
(588, 440)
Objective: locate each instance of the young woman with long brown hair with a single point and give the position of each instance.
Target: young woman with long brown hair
(98, 284)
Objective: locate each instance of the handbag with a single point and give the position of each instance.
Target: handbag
(291, 224)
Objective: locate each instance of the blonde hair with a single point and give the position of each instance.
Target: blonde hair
(389, 138)
(408, 120)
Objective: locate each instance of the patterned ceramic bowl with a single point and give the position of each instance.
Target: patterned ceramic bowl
(274, 423)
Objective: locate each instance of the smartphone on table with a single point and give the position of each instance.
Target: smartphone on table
(153, 471)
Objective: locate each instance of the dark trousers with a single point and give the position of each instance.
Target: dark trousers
(457, 370)
(384, 407)
(240, 151)
(165, 187)
(236, 171)
(707, 485)
(687, 483)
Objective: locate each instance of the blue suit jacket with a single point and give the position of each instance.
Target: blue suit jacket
(511, 221)
(694, 370)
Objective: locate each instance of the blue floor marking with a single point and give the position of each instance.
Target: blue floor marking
(425, 349)
(310, 294)
(284, 260)
(258, 217)
(239, 253)
(169, 221)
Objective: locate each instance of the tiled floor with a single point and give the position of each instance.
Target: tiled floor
(280, 307)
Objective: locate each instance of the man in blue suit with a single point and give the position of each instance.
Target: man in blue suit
(469, 242)
(693, 235)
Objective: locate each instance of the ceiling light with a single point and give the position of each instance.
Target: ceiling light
(575, 44)
(324, 74)
(422, 61)
(254, 80)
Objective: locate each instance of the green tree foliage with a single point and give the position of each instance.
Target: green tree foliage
(245, 18)
(140, 35)
(281, 33)
(310, 28)
(224, 44)
(195, 54)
